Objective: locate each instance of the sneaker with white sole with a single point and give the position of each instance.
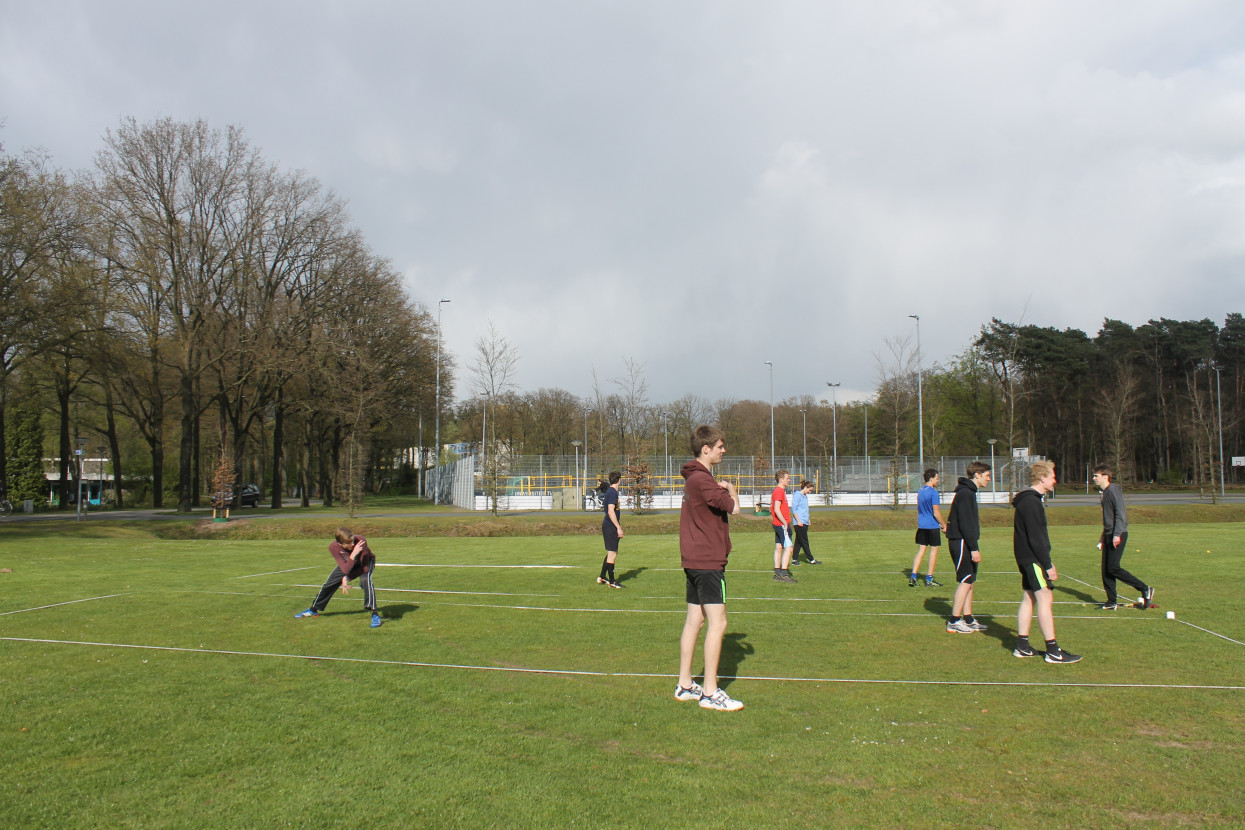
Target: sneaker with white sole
(377, 622)
(720, 701)
(977, 625)
(960, 627)
(310, 612)
(693, 692)
(1147, 599)
(1062, 656)
(1024, 651)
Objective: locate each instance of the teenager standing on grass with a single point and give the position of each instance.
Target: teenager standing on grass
(355, 560)
(611, 530)
(704, 546)
(928, 523)
(780, 516)
(1114, 538)
(963, 531)
(799, 518)
(1031, 545)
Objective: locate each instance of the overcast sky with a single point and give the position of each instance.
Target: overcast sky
(703, 186)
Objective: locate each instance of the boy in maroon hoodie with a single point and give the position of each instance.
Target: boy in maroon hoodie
(704, 545)
(355, 560)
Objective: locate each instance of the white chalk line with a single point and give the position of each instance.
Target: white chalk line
(584, 673)
(518, 567)
(57, 604)
(271, 573)
(1208, 631)
(432, 591)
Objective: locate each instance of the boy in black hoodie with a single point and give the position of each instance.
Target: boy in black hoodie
(1031, 544)
(963, 531)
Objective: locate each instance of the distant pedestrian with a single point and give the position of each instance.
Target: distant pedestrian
(1031, 546)
(1113, 539)
(780, 517)
(611, 530)
(355, 560)
(799, 519)
(928, 524)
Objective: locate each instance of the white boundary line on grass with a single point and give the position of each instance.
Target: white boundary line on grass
(565, 672)
(56, 604)
(272, 573)
(522, 567)
(1208, 631)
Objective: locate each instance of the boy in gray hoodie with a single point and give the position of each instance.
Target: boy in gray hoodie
(1113, 539)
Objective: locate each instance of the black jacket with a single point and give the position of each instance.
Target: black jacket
(1030, 541)
(962, 521)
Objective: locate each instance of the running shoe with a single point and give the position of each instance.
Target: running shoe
(720, 701)
(814, 561)
(693, 692)
(976, 625)
(960, 627)
(787, 577)
(1147, 599)
(912, 582)
(602, 581)
(377, 622)
(1110, 606)
(616, 585)
(1024, 651)
(1062, 656)
(310, 612)
(931, 583)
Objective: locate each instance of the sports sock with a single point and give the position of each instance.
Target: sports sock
(777, 571)
(956, 619)
(605, 564)
(969, 618)
(1022, 642)
(1052, 647)
(610, 567)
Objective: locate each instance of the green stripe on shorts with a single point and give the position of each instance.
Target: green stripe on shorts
(1040, 574)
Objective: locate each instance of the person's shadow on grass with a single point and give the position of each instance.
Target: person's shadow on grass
(735, 649)
(938, 606)
(1076, 593)
(1006, 635)
(387, 612)
(627, 576)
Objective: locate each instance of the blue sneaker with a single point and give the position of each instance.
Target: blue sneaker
(310, 612)
(376, 620)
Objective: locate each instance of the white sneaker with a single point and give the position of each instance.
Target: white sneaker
(960, 627)
(693, 692)
(721, 702)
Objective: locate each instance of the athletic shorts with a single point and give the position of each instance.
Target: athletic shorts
(1032, 577)
(965, 567)
(705, 587)
(610, 534)
(782, 536)
(928, 536)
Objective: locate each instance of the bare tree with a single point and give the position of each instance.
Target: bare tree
(496, 359)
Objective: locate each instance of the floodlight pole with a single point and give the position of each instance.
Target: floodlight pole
(920, 409)
(834, 426)
(804, 437)
(772, 460)
(81, 442)
(868, 467)
(586, 411)
(436, 465)
(665, 437)
(993, 488)
(575, 444)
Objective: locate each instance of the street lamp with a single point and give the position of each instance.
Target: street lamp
(920, 411)
(436, 485)
(576, 444)
(993, 489)
(804, 436)
(79, 452)
(1219, 397)
(834, 425)
(868, 468)
(772, 461)
(586, 411)
(665, 437)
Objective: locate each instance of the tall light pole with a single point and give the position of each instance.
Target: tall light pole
(1219, 397)
(436, 485)
(575, 444)
(993, 489)
(834, 425)
(586, 411)
(772, 460)
(804, 436)
(920, 409)
(868, 468)
(665, 437)
(78, 452)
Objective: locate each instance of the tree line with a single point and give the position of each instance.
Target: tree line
(187, 295)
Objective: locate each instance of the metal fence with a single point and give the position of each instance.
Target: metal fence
(564, 482)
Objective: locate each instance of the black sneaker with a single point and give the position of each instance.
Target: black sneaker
(1062, 656)
(912, 582)
(814, 561)
(930, 582)
(1024, 651)
(1147, 599)
(1110, 606)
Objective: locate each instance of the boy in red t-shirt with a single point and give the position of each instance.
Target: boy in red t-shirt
(780, 513)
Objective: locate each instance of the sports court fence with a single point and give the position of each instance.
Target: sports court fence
(563, 482)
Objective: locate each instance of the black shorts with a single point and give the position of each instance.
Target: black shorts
(928, 536)
(1032, 577)
(965, 567)
(705, 587)
(610, 534)
(782, 536)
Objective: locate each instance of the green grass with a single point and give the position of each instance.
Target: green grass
(95, 734)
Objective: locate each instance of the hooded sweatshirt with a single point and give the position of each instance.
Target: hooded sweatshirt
(1114, 516)
(704, 528)
(962, 521)
(365, 561)
(1030, 541)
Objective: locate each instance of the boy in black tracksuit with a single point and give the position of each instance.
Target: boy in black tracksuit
(963, 531)
(1113, 539)
(1031, 545)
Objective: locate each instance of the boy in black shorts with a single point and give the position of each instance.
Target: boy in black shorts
(704, 545)
(963, 531)
(1031, 544)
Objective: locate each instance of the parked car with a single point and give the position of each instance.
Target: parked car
(248, 496)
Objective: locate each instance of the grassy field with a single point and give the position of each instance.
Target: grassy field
(163, 682)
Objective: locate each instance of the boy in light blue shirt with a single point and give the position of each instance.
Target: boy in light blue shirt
(799, 519)
(928, 523)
